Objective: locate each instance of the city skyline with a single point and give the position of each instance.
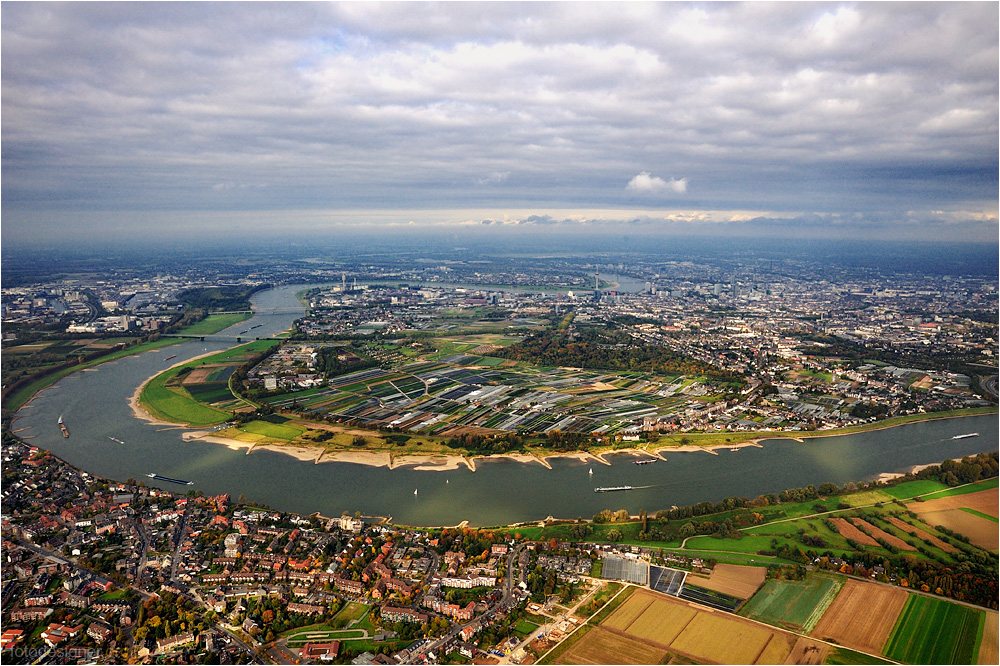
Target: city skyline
(817, 120)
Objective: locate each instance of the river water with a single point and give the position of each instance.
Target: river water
(94, 404)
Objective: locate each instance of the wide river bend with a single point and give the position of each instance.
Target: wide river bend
(94, 404)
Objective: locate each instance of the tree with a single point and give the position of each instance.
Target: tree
(614, 535)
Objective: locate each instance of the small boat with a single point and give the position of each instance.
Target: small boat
(414, 491)
(970, 434)
(447, 481)
(170, 357)
(645, 461)
(116, 440)
(734, 448)
(591, 471)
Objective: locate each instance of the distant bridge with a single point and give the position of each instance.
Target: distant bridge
(217, 338)
(265, 311)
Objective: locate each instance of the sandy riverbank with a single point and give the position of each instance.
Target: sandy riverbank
(888, 476)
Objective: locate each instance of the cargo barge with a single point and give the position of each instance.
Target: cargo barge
(612, 489)
(167, 478)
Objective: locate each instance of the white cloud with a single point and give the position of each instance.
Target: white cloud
(494, 178)
(647, 183)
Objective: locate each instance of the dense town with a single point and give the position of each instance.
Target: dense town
(108, 572)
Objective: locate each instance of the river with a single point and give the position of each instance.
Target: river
(94, 404)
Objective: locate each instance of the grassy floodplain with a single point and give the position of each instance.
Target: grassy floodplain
(165, 398)
(207, 326)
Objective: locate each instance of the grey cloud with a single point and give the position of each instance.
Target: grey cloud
(834, 107)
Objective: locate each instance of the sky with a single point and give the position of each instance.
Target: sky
(856, 120)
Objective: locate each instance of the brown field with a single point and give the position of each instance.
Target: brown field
(742, 642)
(849, 531)
(988, 649)
(604, 647)
(862, 616)
(733, 579)
(808, 652)
(980, 531)
(628, 611)
(926, 536)
(201, 373)
(985, 501)
(877, 533)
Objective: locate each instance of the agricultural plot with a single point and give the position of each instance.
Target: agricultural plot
(744, 642)
(935, 631)
(677, 626)
(732, 579)
(947, 512)
(862, 616)
(981, 532)
(879, 534)
(793, 604)
(849, 531)
(921, 534)
(605, 647)
(988, 646)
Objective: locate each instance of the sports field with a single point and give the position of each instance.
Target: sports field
(793, 604)
(862, 616)
(934, 631)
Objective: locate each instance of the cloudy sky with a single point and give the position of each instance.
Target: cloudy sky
(819, 118)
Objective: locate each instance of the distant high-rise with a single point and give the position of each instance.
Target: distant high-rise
(343, 281)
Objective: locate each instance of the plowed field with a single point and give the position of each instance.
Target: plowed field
(877, 533)
(926, 536)
(849, 531)
(862, 616)
(980, 531)
(988, 648)
(732, 579)
(985, 501)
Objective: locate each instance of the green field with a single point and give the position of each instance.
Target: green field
(352, 612)
(213, 324)
(934, 631)
(176, 405)
(272, 430)
(523, 628)
(793, 604)
(165, 399)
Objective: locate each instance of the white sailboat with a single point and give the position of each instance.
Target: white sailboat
(414, 491)
(591, 470)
